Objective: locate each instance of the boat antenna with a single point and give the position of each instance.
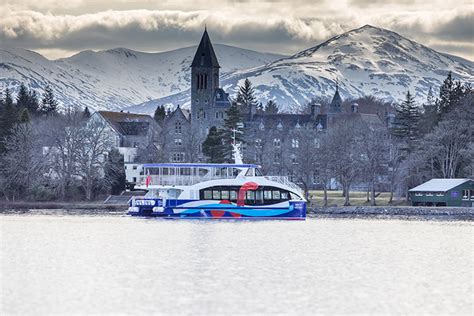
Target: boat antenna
(237, 153)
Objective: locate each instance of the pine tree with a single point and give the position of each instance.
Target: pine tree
(212, 146)
(33, 104)
(246, 97)
(407, 120)
(233, 127)
(23, 97)
(160, 114)
(24, 116)
(8, 119)
(86, 114)
(49, 104)
(430, 115)
(271, 107)
(8, 101)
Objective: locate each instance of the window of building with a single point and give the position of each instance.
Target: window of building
(261, 126)
(134, 179)
(317, 143)
(472, 194)
(178, 142)
(177, 127)
(258, 143)
(295, 143)
(276, 142)
(134, 167)
(293, 159)
(276, 158)
(465, 194)
(280, 126)
(177, 157)
(217, 115)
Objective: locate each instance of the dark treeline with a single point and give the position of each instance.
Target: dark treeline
(46, 154)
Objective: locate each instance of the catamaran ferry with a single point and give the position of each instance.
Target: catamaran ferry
(195, 190)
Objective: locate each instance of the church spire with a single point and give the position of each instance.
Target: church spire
(205, 55)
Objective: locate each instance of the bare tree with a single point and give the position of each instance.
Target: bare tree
(344, 153)
(20, 165)
(375, 149)
(92, 155)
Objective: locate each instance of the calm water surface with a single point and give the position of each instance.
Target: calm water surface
(99, 264)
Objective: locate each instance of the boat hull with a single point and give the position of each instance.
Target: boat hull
(294, 210)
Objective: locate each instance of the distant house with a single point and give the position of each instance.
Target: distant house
(444, 192)
(130, 131)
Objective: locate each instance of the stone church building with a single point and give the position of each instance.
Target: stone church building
(270, 139)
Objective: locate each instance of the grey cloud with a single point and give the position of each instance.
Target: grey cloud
(459, 28)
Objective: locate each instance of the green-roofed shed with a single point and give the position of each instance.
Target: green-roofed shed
(444, 192)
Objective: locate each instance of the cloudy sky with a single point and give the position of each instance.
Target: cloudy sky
(62, 28)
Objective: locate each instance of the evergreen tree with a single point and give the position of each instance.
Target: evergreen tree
(407, 120)
(24, 116)
(212, 146)
(49, 104)
(86, 114)
(233, 127)
(115, 172)
(430, 115)
(160, 114)
(246, 97)
(271, 107)
(33, 104)
(8, 101)
(8, 119)
(23, 97)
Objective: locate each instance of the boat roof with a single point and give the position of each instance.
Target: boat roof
(208, 165)
(439, 185)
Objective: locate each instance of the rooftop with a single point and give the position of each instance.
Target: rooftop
(439, 185)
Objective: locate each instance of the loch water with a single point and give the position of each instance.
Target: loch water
(121, 265)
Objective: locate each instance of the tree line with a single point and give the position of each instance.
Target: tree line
(46, 154)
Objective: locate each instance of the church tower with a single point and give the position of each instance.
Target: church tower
(208, 101)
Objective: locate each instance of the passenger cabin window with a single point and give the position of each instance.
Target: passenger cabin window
(262, 196)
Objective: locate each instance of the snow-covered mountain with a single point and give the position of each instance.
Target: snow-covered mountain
(365, 61)
(115, 78)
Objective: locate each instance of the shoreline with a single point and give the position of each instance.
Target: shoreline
(382, 212)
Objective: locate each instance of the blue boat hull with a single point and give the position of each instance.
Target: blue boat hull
(191, 209)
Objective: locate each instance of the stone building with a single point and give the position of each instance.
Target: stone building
(270, 139)
(130, 132)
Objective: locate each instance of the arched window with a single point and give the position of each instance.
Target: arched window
(276, 142)
(295, 143)
(177, 128)
(205, 81)
(197, 81)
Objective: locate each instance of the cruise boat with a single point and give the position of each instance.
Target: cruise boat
(201, 190)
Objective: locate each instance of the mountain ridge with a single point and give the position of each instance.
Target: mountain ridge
(365, 61)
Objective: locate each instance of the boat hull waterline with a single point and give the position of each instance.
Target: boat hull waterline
(198, 209)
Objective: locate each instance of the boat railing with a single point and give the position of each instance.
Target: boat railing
(173, 180)
(285, 181)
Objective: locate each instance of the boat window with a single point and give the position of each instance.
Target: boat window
(208, 195)
(225, 195)
(250, 197)
(276, 195)
(284, 195)
(259, 197)
(216, 195)
(295, 196)
(267, 195)
(233, 195)
(250, 172)
(258, 173)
